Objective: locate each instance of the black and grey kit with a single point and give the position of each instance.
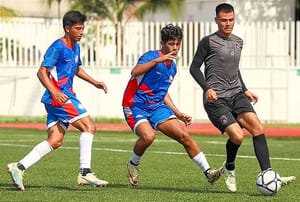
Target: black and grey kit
(222, 74)
(221, 57)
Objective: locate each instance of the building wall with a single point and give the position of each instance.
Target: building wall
(21, 93)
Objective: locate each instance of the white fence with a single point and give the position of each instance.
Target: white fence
(269, 64)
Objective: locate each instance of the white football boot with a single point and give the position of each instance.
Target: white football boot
(230, 179)
(91, 179)
(287, 180)
(213, 175)
(133, 174)
(16, 175)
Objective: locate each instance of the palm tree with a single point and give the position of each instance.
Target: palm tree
(122, 10)
(7, 12)
(119, 12)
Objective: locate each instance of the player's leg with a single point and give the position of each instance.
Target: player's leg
(171, 127)
(146, 135)
(87, 128)
(55, 132)
(250, 121)
(233, 143)
(222, 118)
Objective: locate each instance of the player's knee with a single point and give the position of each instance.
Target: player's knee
(185, 139)
(258, 129)
(148, 138)
(92, 128)
(55, 144)
(238, 139)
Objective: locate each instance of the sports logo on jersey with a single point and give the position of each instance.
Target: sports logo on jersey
(224, 119)
(171, 78)
(76, 58)
(80, 106)
(237, 45)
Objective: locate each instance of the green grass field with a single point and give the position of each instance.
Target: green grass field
(167, 173)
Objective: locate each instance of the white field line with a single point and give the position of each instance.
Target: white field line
(155, 152)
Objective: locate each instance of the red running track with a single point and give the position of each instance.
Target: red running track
(197, 128)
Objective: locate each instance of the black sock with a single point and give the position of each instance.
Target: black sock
(133, 163)
(20, 166)
(84, 171)
(261, 151)
(206, 172)
(231, 150)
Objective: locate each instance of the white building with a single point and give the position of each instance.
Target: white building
(195, 10)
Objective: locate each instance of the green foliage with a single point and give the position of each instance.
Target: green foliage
(122, 10)
(7, 12)
(167, 173)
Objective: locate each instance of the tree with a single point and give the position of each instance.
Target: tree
(118, 12)
(7, 12)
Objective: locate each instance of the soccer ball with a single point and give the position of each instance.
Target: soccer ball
(268, 182)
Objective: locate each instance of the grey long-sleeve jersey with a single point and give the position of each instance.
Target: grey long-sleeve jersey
(221, 57)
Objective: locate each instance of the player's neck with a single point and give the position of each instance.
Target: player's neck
(224, 35)
(67, 41)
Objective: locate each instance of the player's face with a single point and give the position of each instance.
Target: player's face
(225, 22)
(171, 46)
(75, 32)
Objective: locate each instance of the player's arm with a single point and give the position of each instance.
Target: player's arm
(86, 77)
(201, 53)
(183, 117)
(141, 69)
(197, 61)
(43, 75)
(251, 96)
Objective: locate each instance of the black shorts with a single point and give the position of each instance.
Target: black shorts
(224, 111)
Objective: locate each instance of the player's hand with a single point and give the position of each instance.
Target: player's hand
(211, 95)
(60, 97)
(186, 119)
(251, 96)
(167, 57)
(101, 85)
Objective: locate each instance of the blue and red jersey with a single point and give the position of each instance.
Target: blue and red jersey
(63, 62)
(150, 88)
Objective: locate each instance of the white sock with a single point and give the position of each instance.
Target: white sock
(201, 161)
(36, 154)
(85, 142)
(135, 159)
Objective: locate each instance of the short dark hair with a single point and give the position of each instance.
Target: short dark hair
(225, 7)
(73, 17)
(171, 32)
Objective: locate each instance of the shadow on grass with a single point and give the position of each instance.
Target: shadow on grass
(86, 188)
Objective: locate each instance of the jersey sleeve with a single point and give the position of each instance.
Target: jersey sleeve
(200, 55)
(147, 57)
(51, 57)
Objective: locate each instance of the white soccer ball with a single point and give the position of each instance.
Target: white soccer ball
(268, 182)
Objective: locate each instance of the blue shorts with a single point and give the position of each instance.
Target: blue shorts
(135, 115)
(70, 111)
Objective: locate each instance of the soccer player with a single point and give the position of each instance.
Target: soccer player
(148, 107)
(227, 100)
(61, 63)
